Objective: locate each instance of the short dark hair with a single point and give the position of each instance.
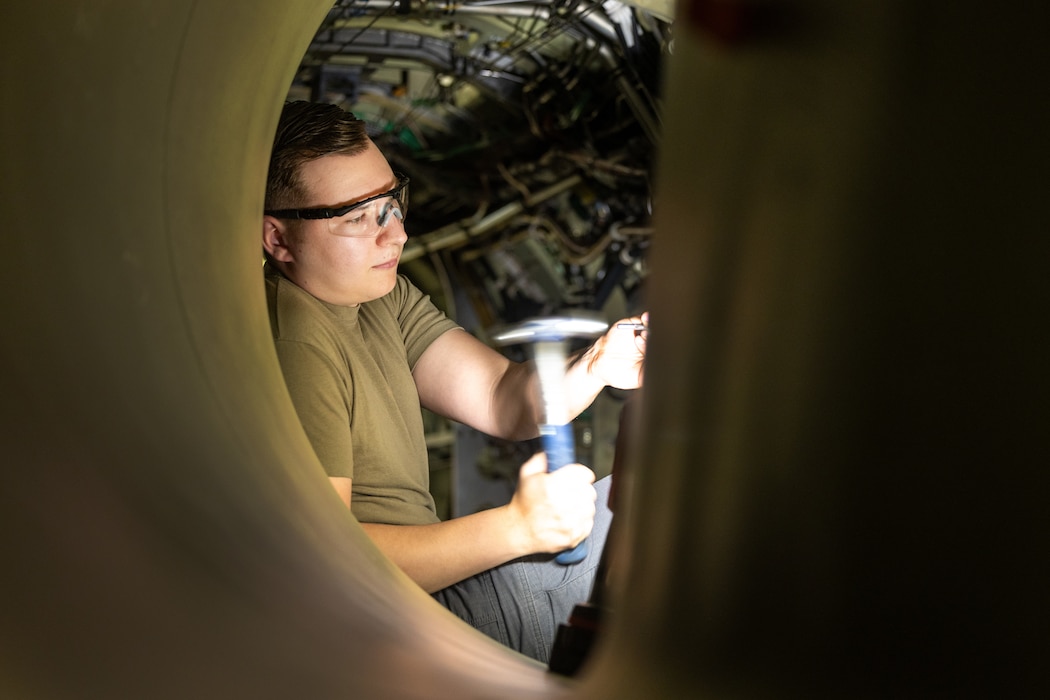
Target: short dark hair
(307, 131)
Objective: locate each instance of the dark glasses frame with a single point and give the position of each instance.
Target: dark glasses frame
(398, 194)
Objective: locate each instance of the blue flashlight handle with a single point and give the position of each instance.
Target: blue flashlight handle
(560, 447)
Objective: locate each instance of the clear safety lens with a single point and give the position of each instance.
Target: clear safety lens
(360, 222)
(370, 217)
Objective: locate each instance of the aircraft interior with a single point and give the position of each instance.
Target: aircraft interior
(834, 213)
(529, 132)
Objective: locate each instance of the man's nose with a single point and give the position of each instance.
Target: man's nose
(393, 231)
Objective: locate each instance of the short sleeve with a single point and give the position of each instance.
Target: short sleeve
(420, 320)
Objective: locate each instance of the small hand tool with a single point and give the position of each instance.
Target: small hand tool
(548, 337)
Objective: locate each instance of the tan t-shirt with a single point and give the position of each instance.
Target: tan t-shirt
(349, 372)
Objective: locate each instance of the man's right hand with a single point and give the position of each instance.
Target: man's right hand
(549, 513)
(555, 509)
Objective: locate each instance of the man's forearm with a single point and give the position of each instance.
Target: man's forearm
(582, 384)
(438, 555)
(519, 396)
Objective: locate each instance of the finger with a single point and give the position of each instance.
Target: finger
(575, 473)
(643, 334)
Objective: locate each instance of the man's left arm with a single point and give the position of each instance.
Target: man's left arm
(460, 377)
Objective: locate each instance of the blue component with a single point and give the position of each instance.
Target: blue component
(574, 555)
(560, 446)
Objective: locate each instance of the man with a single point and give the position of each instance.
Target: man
(362, 349)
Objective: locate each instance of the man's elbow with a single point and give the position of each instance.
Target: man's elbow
(343, 486)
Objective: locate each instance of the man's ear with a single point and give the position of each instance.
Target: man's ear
(275, 239)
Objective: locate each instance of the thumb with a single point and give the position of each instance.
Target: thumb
(536, 464)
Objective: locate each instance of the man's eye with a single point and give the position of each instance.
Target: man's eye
(354, 217)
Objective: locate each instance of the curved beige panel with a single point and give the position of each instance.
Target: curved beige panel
(840, 486)
(845, 451)
(172, 533)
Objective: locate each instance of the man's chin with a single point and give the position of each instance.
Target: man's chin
(387, 286)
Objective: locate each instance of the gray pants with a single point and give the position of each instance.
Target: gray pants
(521, 603)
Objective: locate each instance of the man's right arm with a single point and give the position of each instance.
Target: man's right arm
(549, 512)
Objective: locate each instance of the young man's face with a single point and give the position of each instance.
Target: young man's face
(337, 269)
